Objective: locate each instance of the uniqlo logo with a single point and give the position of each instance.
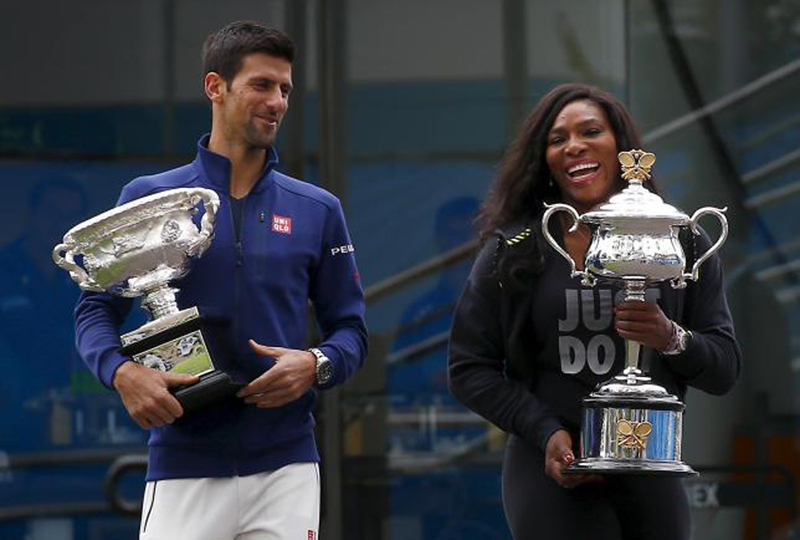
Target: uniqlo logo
(311, 535)
(281, 224)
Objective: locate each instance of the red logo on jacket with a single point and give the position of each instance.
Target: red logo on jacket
(281, 224)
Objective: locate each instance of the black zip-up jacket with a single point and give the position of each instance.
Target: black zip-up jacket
(524, 359)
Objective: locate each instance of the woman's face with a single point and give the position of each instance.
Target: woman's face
(582, 154)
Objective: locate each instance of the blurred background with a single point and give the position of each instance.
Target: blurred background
(402, 108)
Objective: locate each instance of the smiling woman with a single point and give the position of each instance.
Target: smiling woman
(582, 157)
(582, 154)
(529, 342)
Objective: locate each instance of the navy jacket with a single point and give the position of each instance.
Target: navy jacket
(294, 247)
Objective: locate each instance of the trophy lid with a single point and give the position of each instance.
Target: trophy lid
(635, 202)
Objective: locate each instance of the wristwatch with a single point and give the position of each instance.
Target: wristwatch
(680, 340)
(324, 366)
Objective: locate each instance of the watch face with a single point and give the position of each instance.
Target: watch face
(684, 340)
(324, 371)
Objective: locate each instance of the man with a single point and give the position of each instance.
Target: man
(246, 467)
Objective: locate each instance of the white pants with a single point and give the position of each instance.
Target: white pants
(275, 505)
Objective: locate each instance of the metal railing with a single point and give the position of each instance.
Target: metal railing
(748, 90)
(122, 461)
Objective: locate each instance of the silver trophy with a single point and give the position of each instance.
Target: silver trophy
(630, 424)
(136, 250)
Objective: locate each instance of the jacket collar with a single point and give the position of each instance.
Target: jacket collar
(216, 168)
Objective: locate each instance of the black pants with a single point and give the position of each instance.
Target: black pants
(618, 508)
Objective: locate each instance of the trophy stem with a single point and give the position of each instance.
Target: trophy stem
(160, 301)
(634, 291)
(632, 349)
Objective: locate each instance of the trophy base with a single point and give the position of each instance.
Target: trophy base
(631, 426)
(629, 467)
(186, 342)
(212, 387)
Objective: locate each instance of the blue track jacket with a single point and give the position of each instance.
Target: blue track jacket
(294, 247)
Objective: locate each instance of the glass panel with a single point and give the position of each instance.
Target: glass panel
(428, 118)
(735, 58)
(53, 407)
(425, 125)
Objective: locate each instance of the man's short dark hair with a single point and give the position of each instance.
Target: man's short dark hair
(225, 50)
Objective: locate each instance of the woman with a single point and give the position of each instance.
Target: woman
(528, 342)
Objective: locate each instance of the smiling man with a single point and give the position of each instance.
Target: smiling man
(245, 467)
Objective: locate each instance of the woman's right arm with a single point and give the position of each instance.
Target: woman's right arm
(477, 359)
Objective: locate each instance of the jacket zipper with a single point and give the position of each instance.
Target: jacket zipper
(237, 295)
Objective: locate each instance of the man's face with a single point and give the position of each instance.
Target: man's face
(582, 154)
(253, 105)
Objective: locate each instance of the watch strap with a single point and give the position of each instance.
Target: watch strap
(323, 366)
(678, 340)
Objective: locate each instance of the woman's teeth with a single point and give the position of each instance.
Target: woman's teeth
(582, 170)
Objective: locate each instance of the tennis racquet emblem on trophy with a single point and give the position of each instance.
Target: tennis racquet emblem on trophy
(630, 424)
(137, 249)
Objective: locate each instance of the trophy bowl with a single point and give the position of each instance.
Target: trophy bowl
(138, 249)
(631, 425)
(140, 245)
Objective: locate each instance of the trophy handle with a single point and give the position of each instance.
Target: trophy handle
(586, 278)
(211, 203)
(63, 257)
(723, 235)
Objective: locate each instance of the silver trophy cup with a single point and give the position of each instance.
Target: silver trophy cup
(136, 250)
(630, 424)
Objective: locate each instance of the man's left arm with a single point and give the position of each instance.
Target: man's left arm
(339, 300)
(335, 291)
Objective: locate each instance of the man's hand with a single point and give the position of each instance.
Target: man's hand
(145, 393)
(292, 375)
(558, 456)
(644, 322)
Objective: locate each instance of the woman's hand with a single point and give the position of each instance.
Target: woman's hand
(558, 456)
(644, 322)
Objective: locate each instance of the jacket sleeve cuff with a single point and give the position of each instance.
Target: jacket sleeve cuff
(109, 369)
(544, 430)
(685, 363)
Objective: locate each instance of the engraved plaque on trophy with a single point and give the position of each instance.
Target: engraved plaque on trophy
(630, 424)
(136, 250)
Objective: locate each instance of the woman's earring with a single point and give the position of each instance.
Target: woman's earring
(550, 182)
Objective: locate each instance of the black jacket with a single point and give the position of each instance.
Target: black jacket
(507, 359)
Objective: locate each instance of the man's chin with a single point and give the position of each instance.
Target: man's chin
(260, 138)
(262, 143)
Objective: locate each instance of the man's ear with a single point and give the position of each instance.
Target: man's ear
(214, 86)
